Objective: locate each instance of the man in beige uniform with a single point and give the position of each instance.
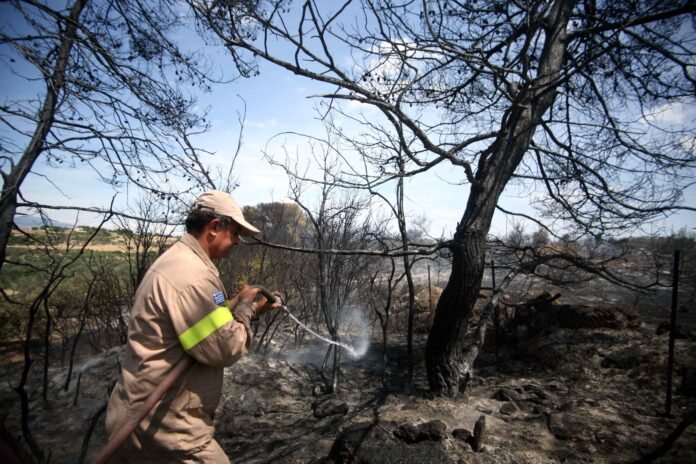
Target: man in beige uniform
(181, 309)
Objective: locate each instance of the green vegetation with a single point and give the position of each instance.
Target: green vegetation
(56, 235)
(53, 262)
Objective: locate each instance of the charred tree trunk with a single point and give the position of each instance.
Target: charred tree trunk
(84, 314)
(401, 217)
(448, 366)
(445, 349)
(47, 350)
(54, 86)
(24, 399)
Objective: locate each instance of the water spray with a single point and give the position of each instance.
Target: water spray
(353, 352)
(275, 299)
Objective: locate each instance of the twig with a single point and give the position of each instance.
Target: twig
(669, 441)
(77, 389)
(92, 425)
(425, 251)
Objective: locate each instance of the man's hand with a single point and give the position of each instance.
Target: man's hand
(251, 295)
(247, 294)
(263, 305)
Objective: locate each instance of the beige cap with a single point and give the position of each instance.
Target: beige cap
(223, 204)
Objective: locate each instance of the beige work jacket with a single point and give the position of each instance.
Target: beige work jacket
(179, 310)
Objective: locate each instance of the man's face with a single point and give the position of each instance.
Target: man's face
(225, 238)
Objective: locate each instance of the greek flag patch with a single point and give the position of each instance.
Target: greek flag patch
(218, 297)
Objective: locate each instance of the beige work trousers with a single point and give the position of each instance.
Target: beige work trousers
(211, 454)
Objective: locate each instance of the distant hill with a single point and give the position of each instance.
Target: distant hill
(23, 220)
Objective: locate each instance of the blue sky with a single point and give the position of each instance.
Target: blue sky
(277, 102)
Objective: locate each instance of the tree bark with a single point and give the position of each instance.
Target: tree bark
(54, 86)
(401, 217)
(24, 399)
(448, 367)
(47, 351)
(445, 349)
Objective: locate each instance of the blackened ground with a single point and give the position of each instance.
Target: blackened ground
(561, 395)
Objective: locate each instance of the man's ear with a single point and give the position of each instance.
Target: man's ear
(214, 226)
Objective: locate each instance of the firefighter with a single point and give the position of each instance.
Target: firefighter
(181, 309)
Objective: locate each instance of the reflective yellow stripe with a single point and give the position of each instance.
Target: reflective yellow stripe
(206, 326)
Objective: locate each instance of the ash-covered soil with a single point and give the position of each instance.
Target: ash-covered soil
(561, 395)
(589, 395)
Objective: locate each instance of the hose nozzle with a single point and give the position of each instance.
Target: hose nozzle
(273, 299)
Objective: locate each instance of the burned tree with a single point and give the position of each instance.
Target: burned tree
(145, 238)
(62, 258)
(334, 219)
(560, 95)
(97, 85)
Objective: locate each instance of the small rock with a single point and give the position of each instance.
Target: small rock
(622, 359)
(434, 430)
(508, 409)
(484, 410)
(330, 407)
(569, 426)
(505, 394)
(375, 443)
(461, 434)
(538, 409)
(408, 434)
(537, 391)
(252, 403)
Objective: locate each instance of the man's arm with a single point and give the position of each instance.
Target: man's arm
(208, 329)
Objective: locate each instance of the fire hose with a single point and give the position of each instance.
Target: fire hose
(179, 368)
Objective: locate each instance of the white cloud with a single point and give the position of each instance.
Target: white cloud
(263, 124)
(359, 107)
(389, 67)
(673, 114)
